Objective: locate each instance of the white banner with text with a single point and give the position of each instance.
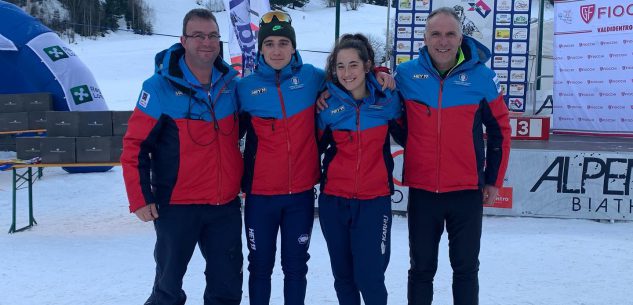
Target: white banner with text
(593, 67)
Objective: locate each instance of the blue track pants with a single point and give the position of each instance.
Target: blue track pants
(358, 236)
(264, 216)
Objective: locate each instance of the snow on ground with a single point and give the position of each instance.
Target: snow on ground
(87, 248)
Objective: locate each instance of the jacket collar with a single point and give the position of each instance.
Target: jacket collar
(474, 53)
(375, 91)
(266, 71)
(170, 64)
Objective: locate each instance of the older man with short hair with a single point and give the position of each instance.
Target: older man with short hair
(449, 96)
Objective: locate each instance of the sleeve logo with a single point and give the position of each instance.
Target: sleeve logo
(144, 99)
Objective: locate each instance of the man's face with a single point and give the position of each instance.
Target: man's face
(277, 51)
(443, 38)
(201, 53)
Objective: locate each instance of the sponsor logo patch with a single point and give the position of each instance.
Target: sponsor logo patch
(420, 76)
(144, 99)
(337, 110)
(303, 239)
(258, 91)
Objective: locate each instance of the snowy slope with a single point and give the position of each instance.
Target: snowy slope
(87, 248)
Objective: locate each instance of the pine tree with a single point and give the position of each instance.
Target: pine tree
(300, 3)
(279, 4)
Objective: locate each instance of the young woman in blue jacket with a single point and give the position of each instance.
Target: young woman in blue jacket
(356, 180)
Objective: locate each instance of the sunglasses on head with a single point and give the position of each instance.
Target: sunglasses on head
(281, 16)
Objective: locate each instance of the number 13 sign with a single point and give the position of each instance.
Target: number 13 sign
(530, 128)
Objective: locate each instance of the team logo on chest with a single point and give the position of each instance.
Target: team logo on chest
(462, 80)
(258, 91)
(295, 83)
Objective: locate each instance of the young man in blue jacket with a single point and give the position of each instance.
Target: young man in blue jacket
(281, 159)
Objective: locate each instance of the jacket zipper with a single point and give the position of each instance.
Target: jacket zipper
(219, 150)
(285, 118)
(359, 150)
(439, 124)
(439, 135)
(216, 127)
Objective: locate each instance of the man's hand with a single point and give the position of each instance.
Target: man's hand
(320, 103)
(147, 213)
(386, 80)
(490, 193)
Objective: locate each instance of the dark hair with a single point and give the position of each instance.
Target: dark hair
(358, 42)
(449, 11)
(200, 13)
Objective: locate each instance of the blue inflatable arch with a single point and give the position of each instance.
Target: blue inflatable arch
(35, 59)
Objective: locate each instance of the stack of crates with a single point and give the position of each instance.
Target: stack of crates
(78, 137)
(22, 112)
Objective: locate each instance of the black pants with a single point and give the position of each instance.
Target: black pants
(217, 232)
(428, 212)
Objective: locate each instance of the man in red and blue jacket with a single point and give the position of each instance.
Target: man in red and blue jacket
(449, 95)
(181, 161)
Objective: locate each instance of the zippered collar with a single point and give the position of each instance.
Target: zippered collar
(267, 72)
(374, 89)
(170, 64)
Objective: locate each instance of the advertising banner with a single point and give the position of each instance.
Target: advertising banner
(243, 19)
(401, 193)
(566, 184)
(502, 26)
(79, 85)
(571, 184)
(593, 67)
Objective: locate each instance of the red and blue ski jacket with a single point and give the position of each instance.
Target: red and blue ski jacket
(277, 107)
(181, 146)
(354, 134)
(444, 141)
